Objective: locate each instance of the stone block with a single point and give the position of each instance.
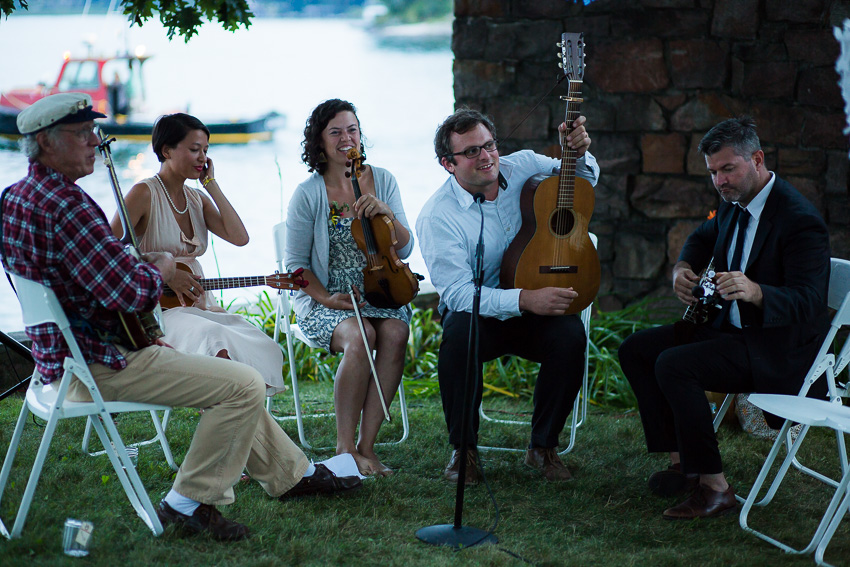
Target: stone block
(695, 160)
(824, 129)
(672, 198)
(469, 38)
(698, 63)
(814, 47)
(630, 66)
(482, 8)
(601, 116)
(637, 113)
(671, 102)
(616, 153)
(808, 11)
(545, 9)
(769, 79)
(595, 28)
(737, 19)
(677, 236)
(508, 113)
(641, 23)
(667, 3)
(663, 153)
(794, 161)
(525, 40)
(818, 86)
(704, 111)
(638, 256)
(837, 174)
(839, 241)
(482, 79)
(760, 51)
(811, 190)
(611, 198)
(776, 124)
(838, 213)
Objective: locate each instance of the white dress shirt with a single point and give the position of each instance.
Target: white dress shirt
(449, 224)
(755, 208)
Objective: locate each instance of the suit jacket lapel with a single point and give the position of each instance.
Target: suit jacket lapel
(765, 224)
(725, 231)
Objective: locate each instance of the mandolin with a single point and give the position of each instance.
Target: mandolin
(291, 280)
(552, 247)
(142, 328)
(700, 310)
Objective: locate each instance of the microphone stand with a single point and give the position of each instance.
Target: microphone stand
(457, 535)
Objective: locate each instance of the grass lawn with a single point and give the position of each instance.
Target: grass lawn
(605, 516)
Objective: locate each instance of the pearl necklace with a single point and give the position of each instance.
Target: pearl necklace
(167, 196)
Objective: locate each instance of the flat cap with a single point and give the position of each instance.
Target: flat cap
(62, 108)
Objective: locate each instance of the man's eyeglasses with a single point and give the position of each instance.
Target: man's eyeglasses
(82, 134)
(474, 151)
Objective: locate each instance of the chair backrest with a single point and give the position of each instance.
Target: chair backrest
(284, 307)
(38, 303)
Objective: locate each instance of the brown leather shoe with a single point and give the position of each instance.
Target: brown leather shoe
(703, 503)
(453, 468)
(205, 519)
(672, 482)
(546, 459)
(323, 481)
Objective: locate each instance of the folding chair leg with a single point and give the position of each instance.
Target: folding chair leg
(10, 458)
(159, 426)
(839, 514)
(126, 473)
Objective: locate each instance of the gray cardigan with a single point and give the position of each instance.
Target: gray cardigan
(307, 239)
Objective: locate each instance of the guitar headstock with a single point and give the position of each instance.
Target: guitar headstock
(290, 280)
(572, 55)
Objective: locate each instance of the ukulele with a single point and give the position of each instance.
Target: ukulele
(142, 328)
(707, 299)
(388, 282)
(552, 247)
(291, 280)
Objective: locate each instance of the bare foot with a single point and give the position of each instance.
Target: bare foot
(379, 468)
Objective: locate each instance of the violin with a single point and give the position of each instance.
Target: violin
(387, 281)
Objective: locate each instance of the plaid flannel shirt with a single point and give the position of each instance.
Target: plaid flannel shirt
(55, 234)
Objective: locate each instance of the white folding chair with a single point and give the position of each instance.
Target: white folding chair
(159, 425)
(283, 324)
(826, 366)
(579, 413)
(47, 401)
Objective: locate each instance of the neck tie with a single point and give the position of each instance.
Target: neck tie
(743, 221)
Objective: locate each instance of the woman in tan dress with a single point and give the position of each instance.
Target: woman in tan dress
(169, 216)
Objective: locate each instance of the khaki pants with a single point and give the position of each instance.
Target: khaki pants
(235, 431)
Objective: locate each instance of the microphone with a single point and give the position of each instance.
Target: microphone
(478, 197)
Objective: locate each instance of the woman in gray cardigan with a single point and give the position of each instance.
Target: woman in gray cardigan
(319, 240)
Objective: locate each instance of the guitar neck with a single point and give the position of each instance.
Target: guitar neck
(230, 283)
(566, 184)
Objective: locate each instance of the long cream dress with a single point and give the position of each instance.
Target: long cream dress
(205, 328)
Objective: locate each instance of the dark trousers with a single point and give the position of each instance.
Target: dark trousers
(557, 343)
(670, 384)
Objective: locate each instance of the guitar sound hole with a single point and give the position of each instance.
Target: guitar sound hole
(561, 222)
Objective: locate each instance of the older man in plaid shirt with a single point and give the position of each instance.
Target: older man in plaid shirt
(55, 234)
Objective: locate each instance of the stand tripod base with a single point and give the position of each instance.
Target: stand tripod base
(449, 535)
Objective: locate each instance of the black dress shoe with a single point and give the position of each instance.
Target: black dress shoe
(323, 481)
(452, 471)
(703, 503)
(205, 519)
(672, 482)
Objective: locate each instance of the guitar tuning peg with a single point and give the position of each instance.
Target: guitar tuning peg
(560, 65)
(559, 44)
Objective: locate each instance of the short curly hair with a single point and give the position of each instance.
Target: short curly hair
(461, 122)
(736, 133)
(316, 124)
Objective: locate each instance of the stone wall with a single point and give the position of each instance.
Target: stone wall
(659, 74)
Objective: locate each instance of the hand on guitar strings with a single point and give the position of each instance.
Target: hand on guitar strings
(546, 301)
(736, 286)
(684, 280)
(368, 206)
(187, 289)
(578, 139)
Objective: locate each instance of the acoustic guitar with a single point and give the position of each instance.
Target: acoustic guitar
(290, 280)
(552, 247)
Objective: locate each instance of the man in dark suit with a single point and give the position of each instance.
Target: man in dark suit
(773, 317)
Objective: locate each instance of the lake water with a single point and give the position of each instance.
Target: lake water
(288, 65)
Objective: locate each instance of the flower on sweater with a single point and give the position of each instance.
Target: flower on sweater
(336, 212)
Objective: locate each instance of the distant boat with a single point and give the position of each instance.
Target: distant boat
(117, 89)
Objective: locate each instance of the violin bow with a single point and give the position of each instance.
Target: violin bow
(369, 353)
